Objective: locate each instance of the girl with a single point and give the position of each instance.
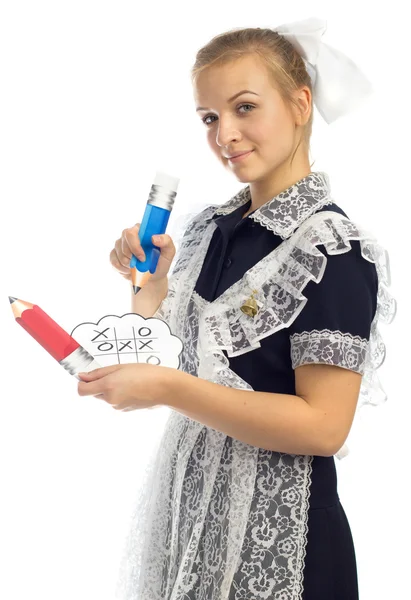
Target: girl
(276, 296)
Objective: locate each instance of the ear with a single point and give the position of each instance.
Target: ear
(302, 111)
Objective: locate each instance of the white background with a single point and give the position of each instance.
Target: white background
(95, 97)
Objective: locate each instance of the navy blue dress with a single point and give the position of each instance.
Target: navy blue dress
(345, 300)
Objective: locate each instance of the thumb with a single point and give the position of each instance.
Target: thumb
(158, 239)
(166, 244)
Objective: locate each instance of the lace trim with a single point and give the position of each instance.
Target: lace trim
(189, 243)
(285, 212)
(329, 348)
(242, 197)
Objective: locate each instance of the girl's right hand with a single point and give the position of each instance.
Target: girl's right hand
(129, 244)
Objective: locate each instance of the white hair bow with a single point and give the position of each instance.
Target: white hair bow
(338, 84)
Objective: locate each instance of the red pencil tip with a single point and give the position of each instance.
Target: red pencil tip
(12, 299)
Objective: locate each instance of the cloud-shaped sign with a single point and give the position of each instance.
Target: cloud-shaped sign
(115, 340)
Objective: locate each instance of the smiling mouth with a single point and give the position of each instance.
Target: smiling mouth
(240, 157)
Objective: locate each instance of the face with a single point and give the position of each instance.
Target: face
(256, 121)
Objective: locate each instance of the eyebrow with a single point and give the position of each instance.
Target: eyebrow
(231, 99)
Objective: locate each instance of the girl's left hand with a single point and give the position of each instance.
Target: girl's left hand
(127, 387)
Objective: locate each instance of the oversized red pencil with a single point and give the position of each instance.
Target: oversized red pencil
(58, 343)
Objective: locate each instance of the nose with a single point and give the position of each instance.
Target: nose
(226, 133)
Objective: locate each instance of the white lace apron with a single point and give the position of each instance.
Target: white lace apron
(219, 519)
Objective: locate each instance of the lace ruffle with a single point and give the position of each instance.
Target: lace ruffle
(190, 240)
(280, 297)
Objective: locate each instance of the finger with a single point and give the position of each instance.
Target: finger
(117, 265)
(124, 247)
(131, 243)
(90, 389)
(99, 373)
(123, 259)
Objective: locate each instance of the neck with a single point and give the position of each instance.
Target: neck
(274, 183)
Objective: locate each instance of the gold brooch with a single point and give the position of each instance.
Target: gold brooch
(250, 306)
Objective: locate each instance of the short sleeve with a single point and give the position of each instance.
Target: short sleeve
(335, 324)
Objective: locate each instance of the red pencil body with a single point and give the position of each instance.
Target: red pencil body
(58, 343)
(47, 332)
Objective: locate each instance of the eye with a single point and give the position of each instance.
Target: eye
(204, 120)
(242, 105)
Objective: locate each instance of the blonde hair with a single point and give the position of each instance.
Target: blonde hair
(283, 62)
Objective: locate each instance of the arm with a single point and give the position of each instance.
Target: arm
(149, 298)
(279, 422)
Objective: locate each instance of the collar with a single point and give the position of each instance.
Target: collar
(284, 213)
